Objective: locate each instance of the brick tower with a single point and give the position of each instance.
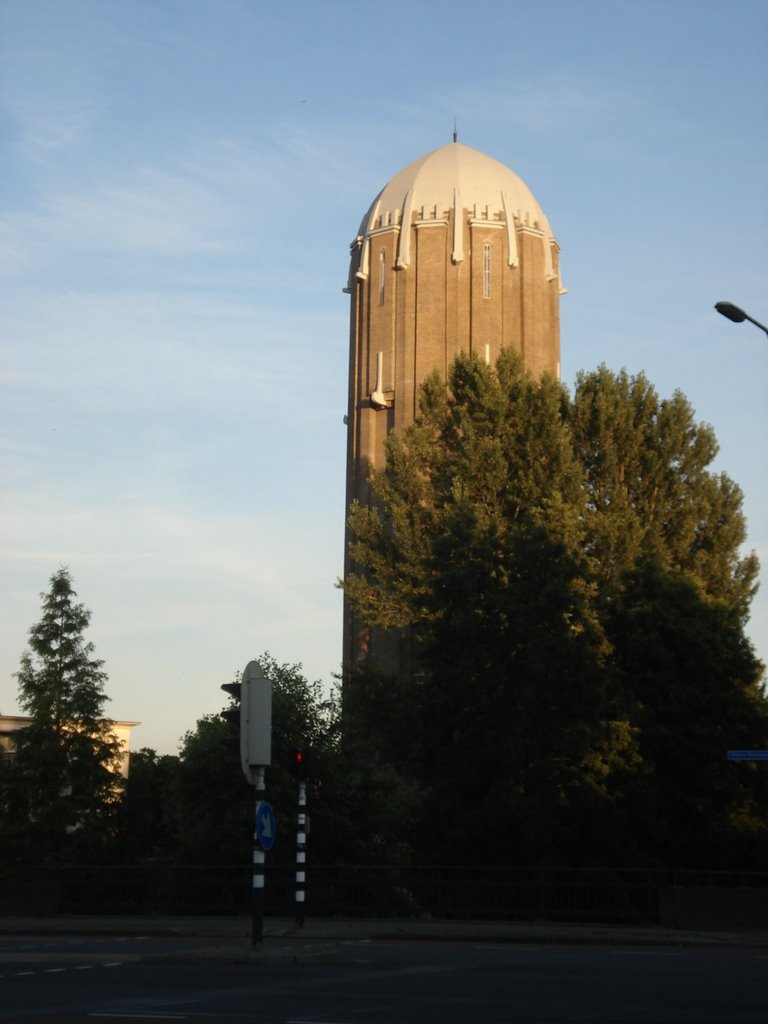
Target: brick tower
(454, 254)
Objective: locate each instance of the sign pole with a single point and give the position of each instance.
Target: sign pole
(255, 720)
(257, 902)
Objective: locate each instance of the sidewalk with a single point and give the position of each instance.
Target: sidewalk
(351, 929)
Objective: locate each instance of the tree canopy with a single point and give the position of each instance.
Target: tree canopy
(519, 532)
(198, 807)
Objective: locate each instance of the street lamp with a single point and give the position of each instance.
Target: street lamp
(738, 316)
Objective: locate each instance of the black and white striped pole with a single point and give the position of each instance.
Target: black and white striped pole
(263, 838)
(297, 766)
(257, 894)
(255, 718)
(301, 854)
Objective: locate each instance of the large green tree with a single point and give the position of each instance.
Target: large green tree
(508, 532)
(148, 823)
(210, 803)
(353, 797)
(692, 687)
(64, 783)
(649, 489)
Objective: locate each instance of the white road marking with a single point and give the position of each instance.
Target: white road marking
(59, 970)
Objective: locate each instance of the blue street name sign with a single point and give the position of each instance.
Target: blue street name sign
(265, 825)
(748, 755)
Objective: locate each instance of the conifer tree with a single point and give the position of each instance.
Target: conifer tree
(66, 781)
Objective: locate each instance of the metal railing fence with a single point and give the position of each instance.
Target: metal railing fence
(514, 893)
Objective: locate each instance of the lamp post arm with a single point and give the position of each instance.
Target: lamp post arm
(757, 323)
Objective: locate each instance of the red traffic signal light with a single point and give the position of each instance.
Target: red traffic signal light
(297, 762)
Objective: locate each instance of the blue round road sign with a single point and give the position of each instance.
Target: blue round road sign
(265, 825)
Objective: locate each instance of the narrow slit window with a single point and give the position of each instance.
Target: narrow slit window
(486, 270)
(382, 275)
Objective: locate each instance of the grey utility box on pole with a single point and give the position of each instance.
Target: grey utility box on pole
(255, 721)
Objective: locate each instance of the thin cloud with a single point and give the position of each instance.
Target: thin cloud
(211, 200)
(139, 345)
(47, 125)
(157, 213)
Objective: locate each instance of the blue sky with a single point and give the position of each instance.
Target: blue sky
(181, 181)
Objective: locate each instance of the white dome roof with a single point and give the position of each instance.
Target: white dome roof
(454, 177)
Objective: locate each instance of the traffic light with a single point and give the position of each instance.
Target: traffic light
(232, 716)
(232, 713)
(251, 714)
(297, 762)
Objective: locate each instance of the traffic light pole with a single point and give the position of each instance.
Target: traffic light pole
(251, 710)
(301, 854)
(257, 901)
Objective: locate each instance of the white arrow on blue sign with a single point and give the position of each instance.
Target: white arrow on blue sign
(748, 755)
(265, 825)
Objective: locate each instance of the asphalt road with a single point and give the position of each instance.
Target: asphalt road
(78, 979)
